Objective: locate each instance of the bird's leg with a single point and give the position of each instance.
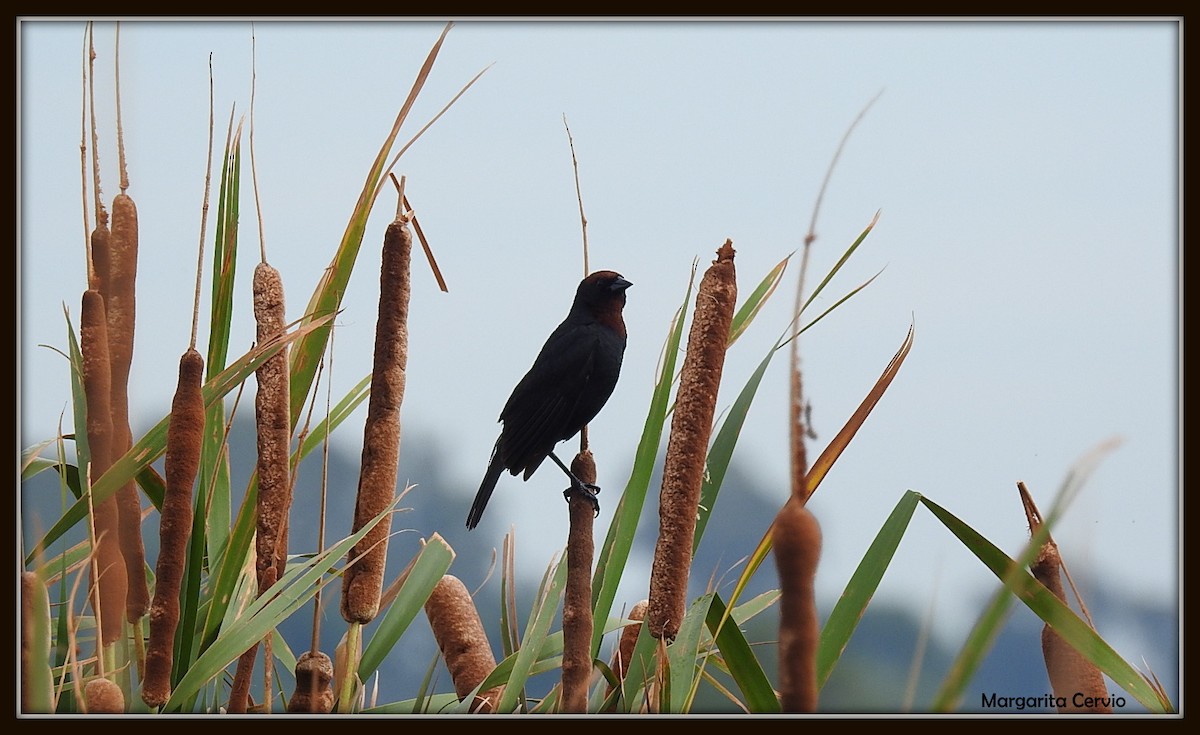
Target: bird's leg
(585, 489)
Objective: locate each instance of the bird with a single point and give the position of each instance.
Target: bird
(570, 381)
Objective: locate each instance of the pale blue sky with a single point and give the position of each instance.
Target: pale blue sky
(1027, 174)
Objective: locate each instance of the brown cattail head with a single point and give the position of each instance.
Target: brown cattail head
(103, 697)
(272, 407)
(119, 300)
(629, 636)
(362, 582)
(1076, 682)
(101, 256)
(462, 641)
(687, 448)
(109, 589)
(314, 690)
(797, 540)
(185, 434)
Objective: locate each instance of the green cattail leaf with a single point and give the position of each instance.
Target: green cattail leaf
(431, 563)
(757, 299)
(861, 588)
(266, 613)
(683, 654)
(340, 412)
(544, 609)
(224, 253)
(745, 669)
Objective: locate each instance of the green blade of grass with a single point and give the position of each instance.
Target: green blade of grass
(852, 604)
(431, 563)
(757, 299)
(540, 618)
(743, 666)
(682, 655)
(296, 587)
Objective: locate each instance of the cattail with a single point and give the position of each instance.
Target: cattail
(37, 683)
(462, 641)
(362, 581)
(109, 590)
(314, 690)
(103, 697)
(629, 635)
(185, 434)
(797, 540)
(687, 448)
(577, 604)
(118, 288)
(273, 422)
(1076, 681)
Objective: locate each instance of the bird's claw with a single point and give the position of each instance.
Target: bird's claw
(588, 492)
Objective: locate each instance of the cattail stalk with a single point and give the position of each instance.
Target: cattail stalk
(628, 641)
(362, 581)
(185, 434)
(119, 307)
(1076, 682)
(109, 585)
(462, 641)
(797, 541)
(273, 422)
(577, 604)
(37, 683)
(687, 448)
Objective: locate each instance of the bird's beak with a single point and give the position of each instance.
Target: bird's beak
(620, 284)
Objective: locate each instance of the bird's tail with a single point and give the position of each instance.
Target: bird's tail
(494, 470)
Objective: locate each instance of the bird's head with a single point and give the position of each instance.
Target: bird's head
(603, 295)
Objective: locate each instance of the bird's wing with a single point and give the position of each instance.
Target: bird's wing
(543, 407)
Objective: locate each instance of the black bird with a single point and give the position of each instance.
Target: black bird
(569, 383)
